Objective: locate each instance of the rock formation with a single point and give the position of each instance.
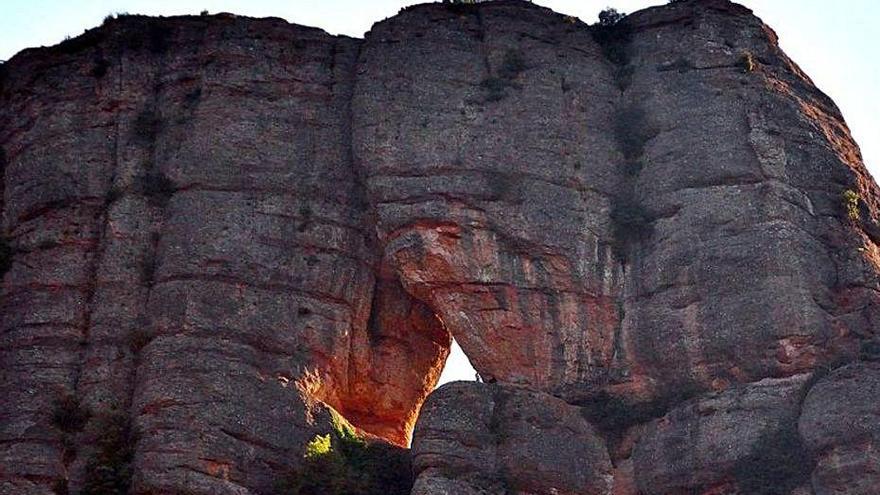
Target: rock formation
(656, 240)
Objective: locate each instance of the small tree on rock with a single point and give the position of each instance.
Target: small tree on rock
(610, 17)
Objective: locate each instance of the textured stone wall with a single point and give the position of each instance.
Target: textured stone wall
(657, 241)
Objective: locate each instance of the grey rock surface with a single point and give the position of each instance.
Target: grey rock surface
(218, 229)
(744, 439)
(489, 438)
(841, 425)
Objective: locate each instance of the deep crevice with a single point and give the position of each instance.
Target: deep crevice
(112, 439)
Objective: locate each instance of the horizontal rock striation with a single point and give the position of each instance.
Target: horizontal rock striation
(489, 438)
(655, 239)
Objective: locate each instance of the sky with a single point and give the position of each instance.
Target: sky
(836, 43)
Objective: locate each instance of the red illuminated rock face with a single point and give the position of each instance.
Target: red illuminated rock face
(658, 238)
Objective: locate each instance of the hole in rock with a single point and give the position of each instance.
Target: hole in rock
(398, 358)
(458, 367)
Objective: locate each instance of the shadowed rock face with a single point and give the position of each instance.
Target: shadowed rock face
(656, 237)
(840, 425)
(489, 438)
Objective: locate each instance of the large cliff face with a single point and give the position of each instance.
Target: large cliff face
(656, 239)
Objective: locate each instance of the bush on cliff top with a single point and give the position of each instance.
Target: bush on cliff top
(613, 35)
(341, 463)
(610, 17)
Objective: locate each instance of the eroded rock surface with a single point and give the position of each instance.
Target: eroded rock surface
(841, 425)
(498, 439)
(216, 228)
(744, 439)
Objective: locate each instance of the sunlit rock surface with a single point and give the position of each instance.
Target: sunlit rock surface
(656, 240)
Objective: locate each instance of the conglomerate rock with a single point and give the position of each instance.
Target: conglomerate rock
(655, 238)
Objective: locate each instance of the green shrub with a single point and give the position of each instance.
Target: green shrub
(71, 46)
(460, 7)
(747, 62)
(610, 17)
(612, 35)
(114, 15)
(108, 470)
(851, 200)
(341, 463)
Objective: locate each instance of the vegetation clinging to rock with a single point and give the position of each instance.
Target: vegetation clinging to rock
(613, 35)
(851, 201)
(747, 62)
(610, 17)
(341, 463)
